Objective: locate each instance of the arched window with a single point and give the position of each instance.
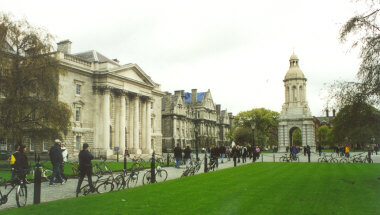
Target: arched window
(294, 93)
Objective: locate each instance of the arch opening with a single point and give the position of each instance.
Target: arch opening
(295, 137)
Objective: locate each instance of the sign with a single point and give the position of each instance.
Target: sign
(116, 148)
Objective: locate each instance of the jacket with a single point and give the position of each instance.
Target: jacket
(187, 152)
(85, 158)
(177, 152)
(56, 154)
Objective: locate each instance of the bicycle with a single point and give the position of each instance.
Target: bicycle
(138, 163)
(285, 158)
(126, 179)
(21, 191)
(323, 159)
(161, 175)
(212, 164)
(100, 186)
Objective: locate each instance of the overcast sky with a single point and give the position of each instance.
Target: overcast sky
(239, 50)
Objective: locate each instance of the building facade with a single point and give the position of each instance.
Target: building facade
(193, 118)
(295, 112)
(113, 106)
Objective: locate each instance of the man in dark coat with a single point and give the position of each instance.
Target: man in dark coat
(20, 166)
(214, 153)
(178, 156)
(222, 150)
(56, 160)
(85, 167)
(187, 156)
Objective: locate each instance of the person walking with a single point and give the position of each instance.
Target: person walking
(85, 167)
(320, 150)
(244, 154)
(234, 154)
(222, 153)
(258, 152)
(65, 156)
(178, 156)
(347, 151)
(376, 148)
(20, 167)
(12, 160)
(187, 156)
(56, 159)
(214, 153)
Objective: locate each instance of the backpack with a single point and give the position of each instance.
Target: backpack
(11, 159)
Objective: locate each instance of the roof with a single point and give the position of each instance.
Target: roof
(294, 71)
(94, 56)
(188, 97)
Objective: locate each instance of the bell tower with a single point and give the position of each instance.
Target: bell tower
(295, 111)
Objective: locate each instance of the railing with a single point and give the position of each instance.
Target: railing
(77, 60)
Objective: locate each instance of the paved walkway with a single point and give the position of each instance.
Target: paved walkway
(68, 190)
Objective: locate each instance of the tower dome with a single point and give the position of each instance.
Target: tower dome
(294, 71)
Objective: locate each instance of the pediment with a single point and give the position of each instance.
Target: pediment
(134, 72)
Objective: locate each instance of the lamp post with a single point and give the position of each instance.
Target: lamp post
(196, 131)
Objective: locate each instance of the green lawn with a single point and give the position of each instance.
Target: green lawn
(258, 188)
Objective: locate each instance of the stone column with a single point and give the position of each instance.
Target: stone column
(143, 126)
(175, 130)
(148, 123)
(106, 122)
(130, 124)
(136, 127)
(122, 124)
(117, 123)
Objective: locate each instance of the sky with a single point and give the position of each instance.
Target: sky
(238, 49)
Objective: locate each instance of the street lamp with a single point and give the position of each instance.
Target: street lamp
(196, 131)
(253, 125)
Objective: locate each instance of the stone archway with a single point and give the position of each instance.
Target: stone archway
(294, 140)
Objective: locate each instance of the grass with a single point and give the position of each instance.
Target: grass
(258, 188)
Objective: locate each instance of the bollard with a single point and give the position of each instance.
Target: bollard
(167, 159)
(37, 182)
(234, 161)
(262, 158)
(308, 156)
(274, 158)
(205, 170)
(152, 170)
(117, 156)
(125, 162)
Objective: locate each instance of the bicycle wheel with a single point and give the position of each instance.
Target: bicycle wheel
(161, 175)
(132, 180)
(343, 160)
(83, 191)
(21, 195)
(333, 160)
(147, 178)
(120, 182)
(105, 187)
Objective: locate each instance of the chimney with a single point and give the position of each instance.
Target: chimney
(333, 112)
(183, 94)
(194, 95)
(64, 46)
(218, 110)
(116, 60)
(327, 112)
(177, 93)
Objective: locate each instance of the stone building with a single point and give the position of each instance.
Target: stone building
(112, 105)
(295, 111)
(193, 117)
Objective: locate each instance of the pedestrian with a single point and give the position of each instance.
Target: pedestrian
(20, 167)
(178, 156)
(287, 149)
(85, 167)
(234, 153)
(376, 149)
(320, 150)
(12, 160)
(65, 156)
(56, 159)
(222, 153)
(347, 151)
(294, 152)
(257, 152)
(214, 153)
(244, 154)
(238, 152)
(228, 153)
(187, 156)
(304, 151)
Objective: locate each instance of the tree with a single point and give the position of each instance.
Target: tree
(357, 123)
(29, 83)
(265, 122)
(324, 135)
(364, 31)
(242, 136)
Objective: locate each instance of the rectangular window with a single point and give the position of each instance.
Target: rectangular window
(3, 145)
(45, 145)
(77, 91)
(78, 142)
(77, 114)
(31, 147)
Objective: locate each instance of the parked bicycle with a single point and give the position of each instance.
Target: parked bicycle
(21, 191)
(161, 175)
(127, 179)
(101, 185)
